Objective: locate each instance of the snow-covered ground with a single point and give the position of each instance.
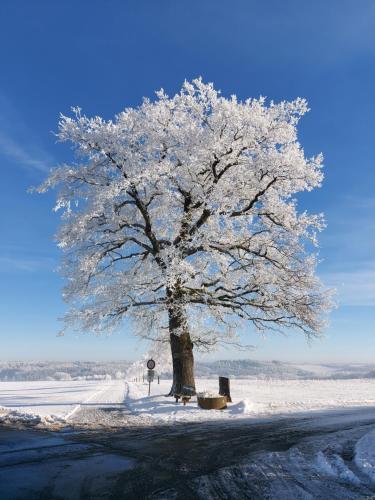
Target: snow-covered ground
(91, 401)
(55, 401)
(327, 455)
(253, 398)
(321, 454)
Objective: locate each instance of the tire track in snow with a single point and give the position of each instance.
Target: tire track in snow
(87, 400)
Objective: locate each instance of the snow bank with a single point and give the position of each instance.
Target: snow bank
(333, 465)
(365, 455)
(244, 407)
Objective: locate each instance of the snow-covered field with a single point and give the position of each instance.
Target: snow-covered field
(81, 401)
(55, 401)
(254, 398)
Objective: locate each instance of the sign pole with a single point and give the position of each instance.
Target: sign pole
(150, 373)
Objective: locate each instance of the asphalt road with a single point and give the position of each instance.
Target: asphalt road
(271, 458)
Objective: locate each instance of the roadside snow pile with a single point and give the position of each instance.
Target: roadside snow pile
(333, 465)
(293, 474)
(14, 416)
(365, 455)
(11, 417)
(244, 407)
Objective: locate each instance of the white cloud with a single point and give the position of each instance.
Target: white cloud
(24, 156)
(18, 142)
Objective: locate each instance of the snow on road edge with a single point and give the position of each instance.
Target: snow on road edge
(365, 455)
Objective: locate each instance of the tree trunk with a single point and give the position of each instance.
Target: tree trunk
(182, 354)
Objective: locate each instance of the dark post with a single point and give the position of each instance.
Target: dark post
(224, 388)
(158, 379)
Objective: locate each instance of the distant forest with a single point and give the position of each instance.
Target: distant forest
(244, 368)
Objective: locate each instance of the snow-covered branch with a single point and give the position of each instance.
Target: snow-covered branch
(189, 202)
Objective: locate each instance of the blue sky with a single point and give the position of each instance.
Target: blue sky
(104, 56)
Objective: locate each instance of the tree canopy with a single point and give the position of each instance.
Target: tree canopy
(189, 202)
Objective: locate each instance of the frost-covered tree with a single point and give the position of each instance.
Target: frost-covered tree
(180, 214)
(157, 351)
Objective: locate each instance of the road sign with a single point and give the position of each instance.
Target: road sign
(151, 364)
